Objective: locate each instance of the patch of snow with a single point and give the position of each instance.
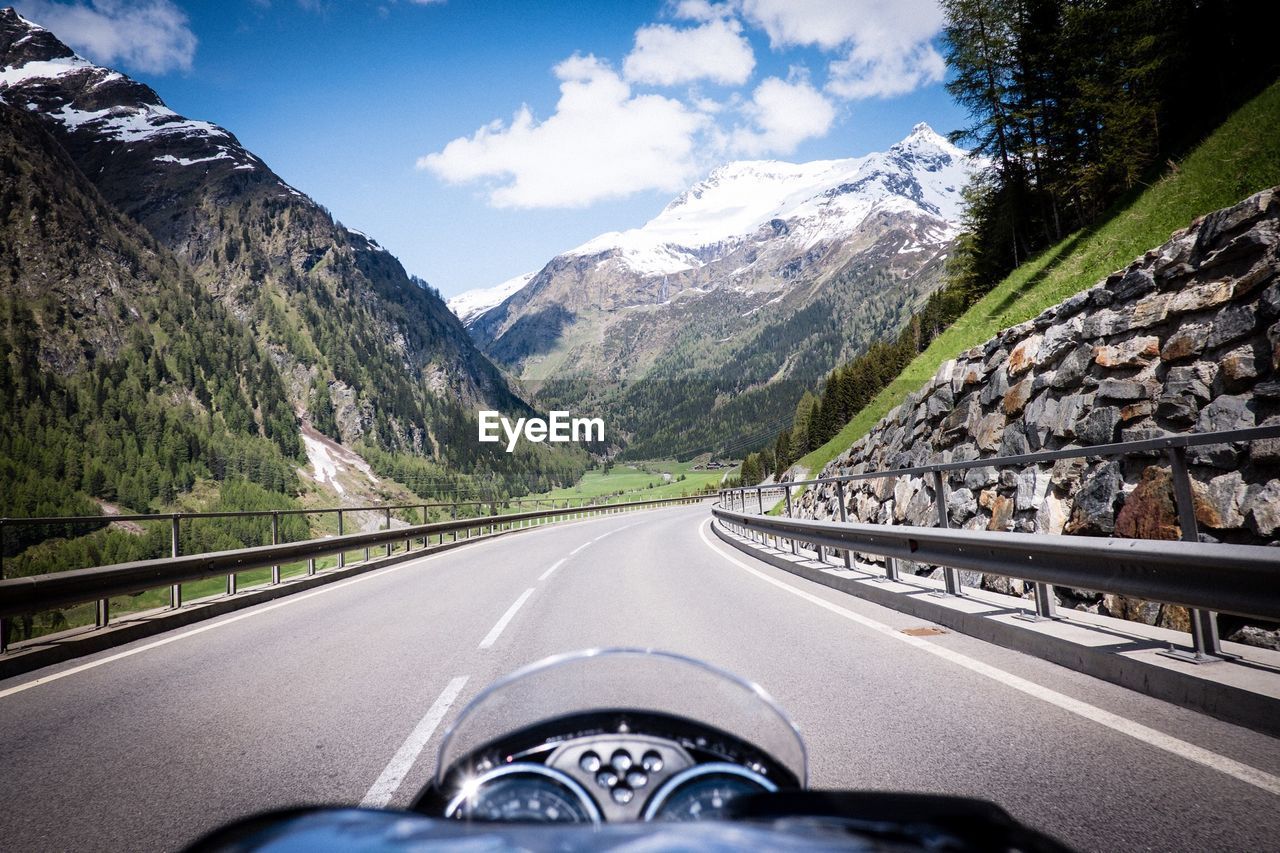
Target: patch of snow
(43, 69)
(322, 464)
(183, 161)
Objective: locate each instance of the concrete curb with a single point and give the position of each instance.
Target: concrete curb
(1200, 690)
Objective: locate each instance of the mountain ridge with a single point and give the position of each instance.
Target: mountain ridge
(366, 353)
(738, 199)
(275, 257)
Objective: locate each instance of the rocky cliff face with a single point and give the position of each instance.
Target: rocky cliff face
(1186, 339)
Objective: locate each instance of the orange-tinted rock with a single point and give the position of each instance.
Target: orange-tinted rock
(1149, 511)
(1024, 355)
(1132, 353)
(1187, 342)
(1016, 397)
(1137, 410)
(1001, 513)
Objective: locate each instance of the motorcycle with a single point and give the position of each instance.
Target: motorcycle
(632, 749)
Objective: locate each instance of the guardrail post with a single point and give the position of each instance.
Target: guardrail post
(760, 507)
(1204, 623)
(103, 613)
(794, 549)
(388, 527)
(951, 576)
(175, 591)
(275, 540)
(844, 517)
(342, 557)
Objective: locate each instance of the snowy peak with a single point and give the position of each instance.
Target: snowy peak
(42, 74)
(472, 304)
(817, 202)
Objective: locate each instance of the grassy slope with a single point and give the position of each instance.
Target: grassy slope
(1240, 158)
(639, 481)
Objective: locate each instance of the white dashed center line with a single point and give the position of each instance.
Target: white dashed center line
(496, 631)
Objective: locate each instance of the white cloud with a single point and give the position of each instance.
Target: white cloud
(782, 114)
(602, 142)
(870, 74)
(887, 46)
(150, 36)
(701, 10)
(666, 56)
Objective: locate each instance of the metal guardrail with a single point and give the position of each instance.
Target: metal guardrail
(1243, 580)
(175, 519)
(43, 592)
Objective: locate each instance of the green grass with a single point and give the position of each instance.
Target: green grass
(638, 481)
(1240, 158)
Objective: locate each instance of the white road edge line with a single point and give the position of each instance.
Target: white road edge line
(492, 637)
(256, 610)
(557, 564)
(1181, 748)
(389, 782)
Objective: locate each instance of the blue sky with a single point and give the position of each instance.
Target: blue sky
(476, 139)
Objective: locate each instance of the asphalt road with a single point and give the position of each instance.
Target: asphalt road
(326, 697)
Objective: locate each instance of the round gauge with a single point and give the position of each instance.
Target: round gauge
(703, 792)
(524, 793)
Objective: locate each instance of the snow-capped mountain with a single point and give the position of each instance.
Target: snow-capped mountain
(757, 229)
(471, 304)
(741, 292)
(819, 201)
(308, 286)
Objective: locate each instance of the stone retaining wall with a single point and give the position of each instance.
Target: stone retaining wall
(1185, 339)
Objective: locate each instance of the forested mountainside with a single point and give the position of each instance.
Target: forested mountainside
(124, 379)
(337, 311)
(737, 297)
(357, 347)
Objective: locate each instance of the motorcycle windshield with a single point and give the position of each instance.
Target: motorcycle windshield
(638, 680)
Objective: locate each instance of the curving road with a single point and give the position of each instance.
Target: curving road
(340, 695)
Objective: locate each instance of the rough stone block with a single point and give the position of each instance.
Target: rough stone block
(1058, 340)
(1149, 511)
(1099, 426)
(1263, 508)
(1150, 310)
(1094, 508)
(1023, 356)
(990, 431)
(1218, 502)
(1201, 297)
(1228, 412)
(1187, 342)
(1239, 366)
(1016, 397)
(1124, 390)
(1136, 352)
(1104, 324)
(1232, 324)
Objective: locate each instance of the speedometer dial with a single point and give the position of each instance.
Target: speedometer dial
(524, 793)
(704, 792)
